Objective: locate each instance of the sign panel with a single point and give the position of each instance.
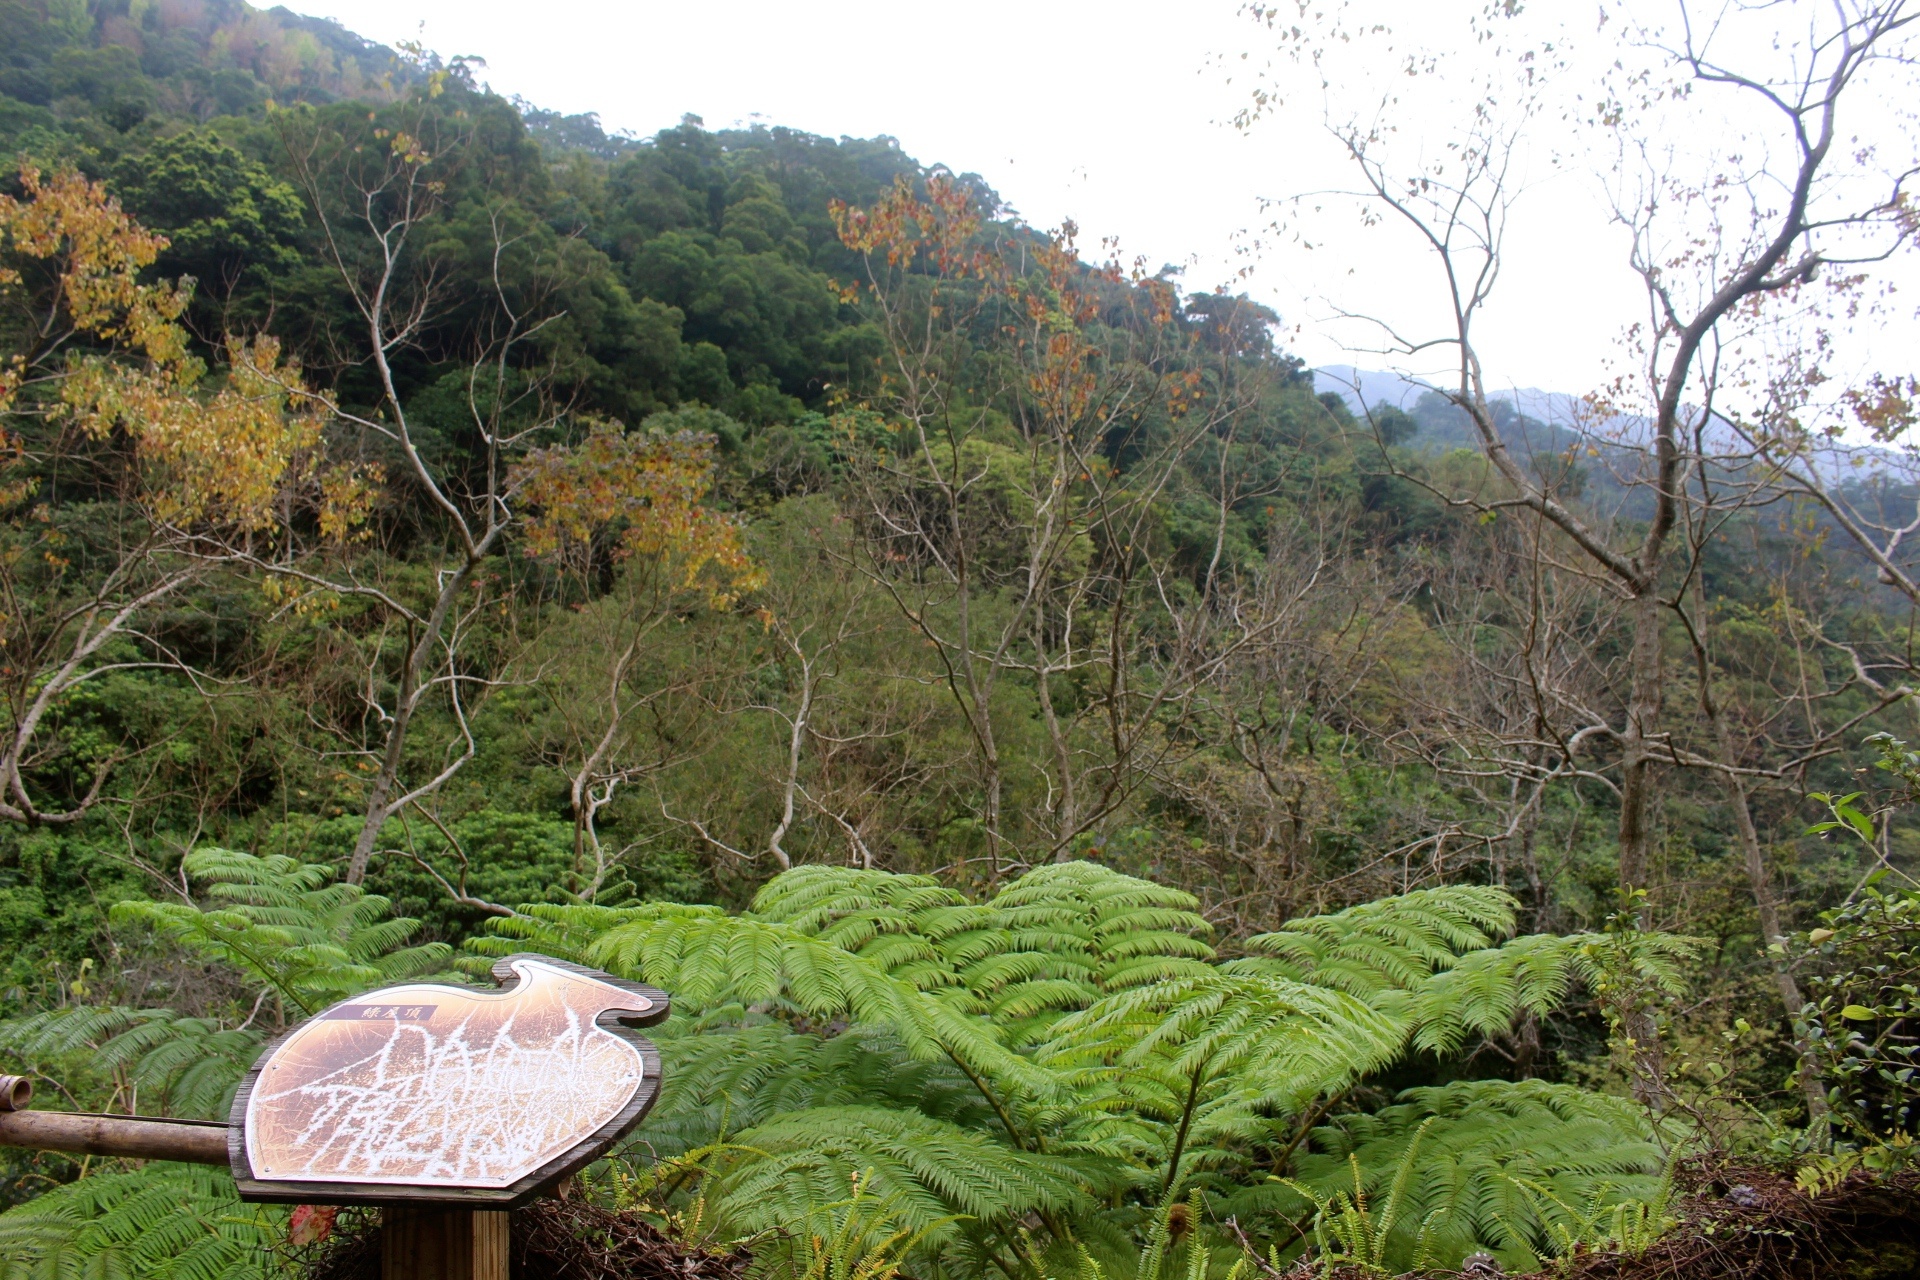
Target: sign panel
(424, 1092)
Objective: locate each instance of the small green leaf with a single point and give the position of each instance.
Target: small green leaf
(1858, 1013)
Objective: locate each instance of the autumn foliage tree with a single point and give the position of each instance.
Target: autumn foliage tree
(630, 505)
(108, 413)
(1039, 417)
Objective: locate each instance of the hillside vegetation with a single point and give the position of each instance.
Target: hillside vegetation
(1100, 807)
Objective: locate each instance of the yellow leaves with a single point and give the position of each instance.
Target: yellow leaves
(228, 457)
(347, 495)
(12, 374)
(234, 458)
(300, 598)
(98, 253)
(407, 149)
(644, 489)
(243, 456)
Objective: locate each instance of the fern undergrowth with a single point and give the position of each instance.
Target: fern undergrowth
(883, 1073)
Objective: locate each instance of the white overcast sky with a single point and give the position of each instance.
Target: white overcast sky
(1115, 114)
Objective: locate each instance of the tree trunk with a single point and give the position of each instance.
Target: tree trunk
(380, 790)
(1773, 937)
(1645, 703)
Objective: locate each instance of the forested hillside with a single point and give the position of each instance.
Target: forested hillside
(1071, 775)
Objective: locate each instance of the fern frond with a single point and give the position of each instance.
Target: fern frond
(1480, 1136)
(929, 1169)
(161, 1222)
(812, 898)
(283, 924)
(564, 933)
(1115, 918)
(1286, 1040)
(182, 1066)
(1391, 944)
(1485, 991)
(707, 958)
(722, 1081)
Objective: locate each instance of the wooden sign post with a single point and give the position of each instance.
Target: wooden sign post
(448, 1106)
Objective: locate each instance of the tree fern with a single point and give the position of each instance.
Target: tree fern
(932, 1170)
(1391, 944)
(1092, 1034)
(1481, 1142)
(1056, 1060)
(162, 1222)
(284, 924)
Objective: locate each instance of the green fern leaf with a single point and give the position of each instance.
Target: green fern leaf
(1392, 944)
(930, 1169)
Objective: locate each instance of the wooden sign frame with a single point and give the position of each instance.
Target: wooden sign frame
(520, 1192)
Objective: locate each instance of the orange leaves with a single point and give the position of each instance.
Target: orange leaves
(1063, 320)
(97, 252)
(1886, 407)
(645, 489)
(943, 225)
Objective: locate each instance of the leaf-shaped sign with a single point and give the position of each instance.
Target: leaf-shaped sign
(433, 1092)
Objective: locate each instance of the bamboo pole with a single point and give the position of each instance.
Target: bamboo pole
(417, 1242)
(132, 1137)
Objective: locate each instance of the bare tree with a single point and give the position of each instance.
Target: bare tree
(829, 727)
(1725, 260)
(1322, 612)
(1038, 418)
(374, 198)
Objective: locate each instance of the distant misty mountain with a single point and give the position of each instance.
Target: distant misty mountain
(1362, 387)
(1535, 422)
(1602, 469)
(1532, 422)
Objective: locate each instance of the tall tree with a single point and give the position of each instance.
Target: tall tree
(120, 456)
(1726, 261)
